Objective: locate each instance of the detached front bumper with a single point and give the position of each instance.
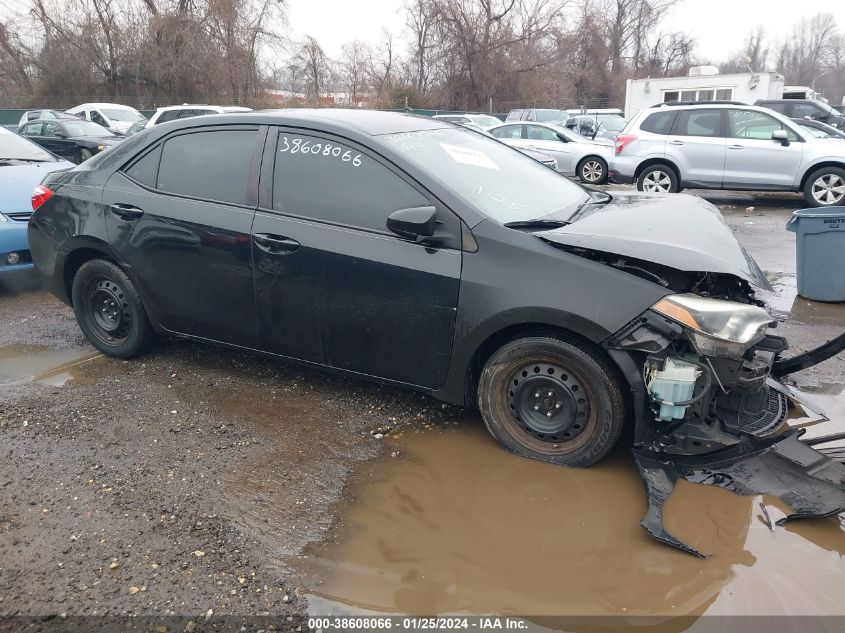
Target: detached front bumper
(730, 428)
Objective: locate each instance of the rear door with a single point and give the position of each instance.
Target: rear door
(332, 284)
(754, 160)
(697, 146)
(180, 216)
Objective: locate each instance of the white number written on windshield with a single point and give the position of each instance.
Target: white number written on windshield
(306, 147)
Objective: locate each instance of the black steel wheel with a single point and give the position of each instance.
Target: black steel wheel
(552, 399)
(109, 310)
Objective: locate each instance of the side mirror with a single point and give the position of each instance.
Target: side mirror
(780, 137)
(414, 222)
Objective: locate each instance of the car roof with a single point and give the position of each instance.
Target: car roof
(116, 106)
(370, 122)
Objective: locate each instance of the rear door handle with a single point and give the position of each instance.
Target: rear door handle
(126, 211)
(676, 142)
(275, 244)
(736, 146)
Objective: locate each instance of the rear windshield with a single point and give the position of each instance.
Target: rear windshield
(14, 147)
(499, 181)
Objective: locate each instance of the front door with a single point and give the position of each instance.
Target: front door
(54, 139)
(333, 285)
(754, 160)
(180, 217)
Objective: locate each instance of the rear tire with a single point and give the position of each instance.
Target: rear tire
(825, 187)
(592, 170)
(658, 178)
(109, 311)
(552, 399)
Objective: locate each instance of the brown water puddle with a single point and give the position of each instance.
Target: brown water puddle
(26, 363)
(457, 525)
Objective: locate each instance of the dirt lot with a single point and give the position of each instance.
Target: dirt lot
(187, 482)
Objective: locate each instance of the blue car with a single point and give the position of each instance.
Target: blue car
(23, 165)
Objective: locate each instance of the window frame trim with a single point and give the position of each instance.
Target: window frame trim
(267, 185)
(254, 168)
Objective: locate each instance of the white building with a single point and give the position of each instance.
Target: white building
(704, 83)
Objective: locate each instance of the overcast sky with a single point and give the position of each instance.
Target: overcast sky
(719, 26)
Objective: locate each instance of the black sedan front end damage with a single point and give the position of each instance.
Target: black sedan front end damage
(713, 413)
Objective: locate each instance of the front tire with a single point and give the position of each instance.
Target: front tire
(592, 170)
(552, 399)
(109, 311)
(825, 187)
(658, 178)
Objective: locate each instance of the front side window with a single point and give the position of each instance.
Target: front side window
(540, 133)
(800, 110)
(51, 129)
(699, 123)
(213, 164)
(169, 115)
(326, 180)
(97, 118)
(508, 131)
(750, 124)
(32, 129)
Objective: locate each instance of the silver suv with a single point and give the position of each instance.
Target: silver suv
(727, 146)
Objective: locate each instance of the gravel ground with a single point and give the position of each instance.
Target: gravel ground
(176, 484)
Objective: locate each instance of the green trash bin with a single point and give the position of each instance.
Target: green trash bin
(820, 251)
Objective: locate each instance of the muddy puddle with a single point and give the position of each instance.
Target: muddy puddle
(456, 525)
(32, 363)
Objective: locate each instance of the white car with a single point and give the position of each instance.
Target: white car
(575, 155)
(482, 121)
(187, 110)
(115, 117)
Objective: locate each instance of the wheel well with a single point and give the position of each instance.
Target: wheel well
(657, 161)
(523, 330)
(75, 260)
(815, 168)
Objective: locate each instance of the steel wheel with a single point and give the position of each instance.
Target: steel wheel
(828, 189)
(592, 171)
(657, 181)
(107, 311)
(548, 403)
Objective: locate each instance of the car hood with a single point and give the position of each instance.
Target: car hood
(676, 230)
(18, 181)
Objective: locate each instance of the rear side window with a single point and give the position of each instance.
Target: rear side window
(325, 180)
(699, 123)
(777, 107)
(169, 115)
(659, 122)
(214, 164)
(145, 169)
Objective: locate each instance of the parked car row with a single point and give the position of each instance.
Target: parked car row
(725, 145)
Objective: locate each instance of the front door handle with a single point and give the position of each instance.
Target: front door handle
(126, 211)
(275, 244)
(736, 146)
(676, 142)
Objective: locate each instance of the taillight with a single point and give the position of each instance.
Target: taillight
(622, 141)
(40, 195)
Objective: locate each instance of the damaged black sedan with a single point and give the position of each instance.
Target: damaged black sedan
(411, 252)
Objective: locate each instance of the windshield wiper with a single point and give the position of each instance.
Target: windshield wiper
(538, 223)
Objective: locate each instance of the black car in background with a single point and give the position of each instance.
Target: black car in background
(819, 129)
(422, 254)
(804, 108)
(73, 138)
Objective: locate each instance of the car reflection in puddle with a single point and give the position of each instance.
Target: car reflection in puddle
(456, 525)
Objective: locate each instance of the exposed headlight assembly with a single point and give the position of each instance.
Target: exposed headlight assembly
(716, 327)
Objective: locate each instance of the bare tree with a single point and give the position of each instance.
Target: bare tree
(314, 66)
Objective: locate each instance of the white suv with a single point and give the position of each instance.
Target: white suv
(186, 110)
(718, 145)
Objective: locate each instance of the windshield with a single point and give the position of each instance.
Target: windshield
(16, 147)
(550, 115)
(502, 183)
(84, 128)
(122, 115)
(484, 120)
(613, 123)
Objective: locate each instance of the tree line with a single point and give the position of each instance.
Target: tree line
(452, 54)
